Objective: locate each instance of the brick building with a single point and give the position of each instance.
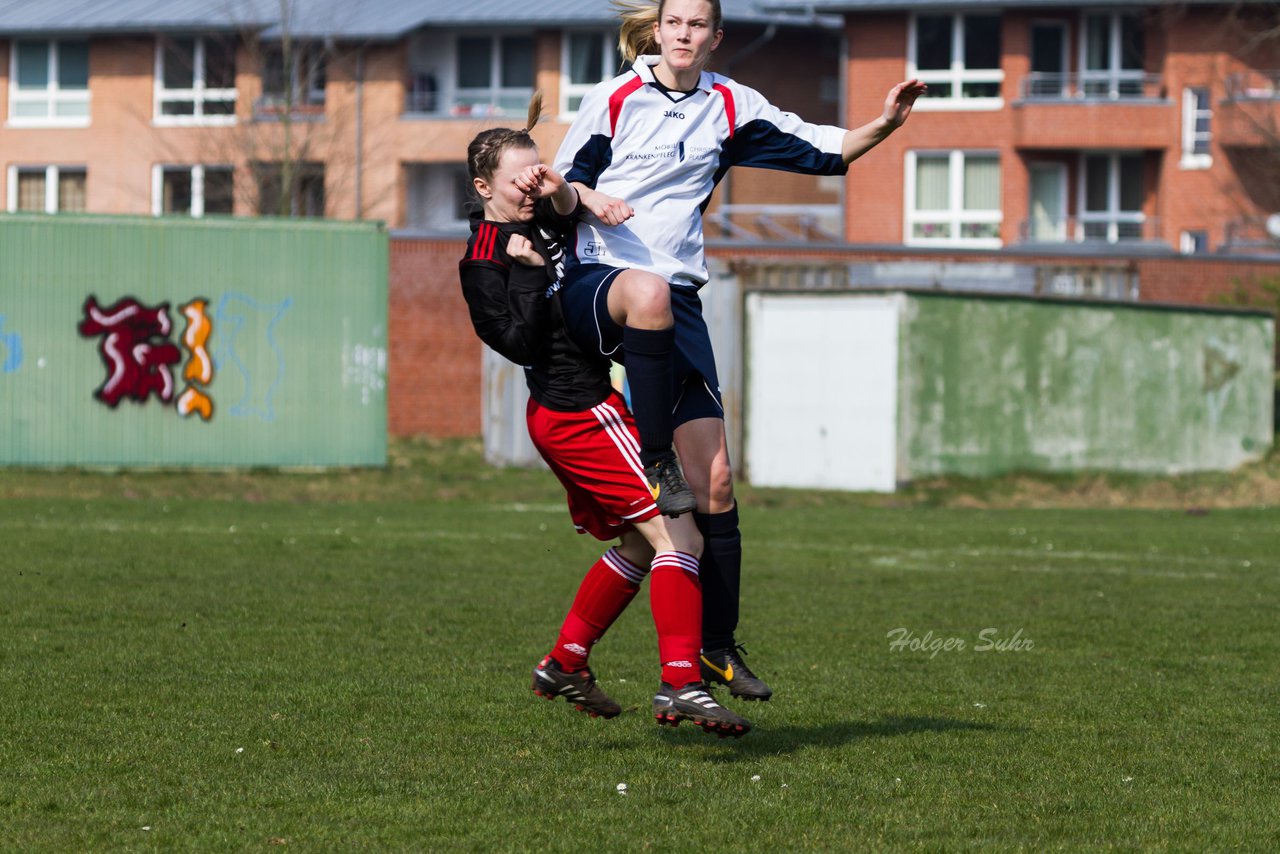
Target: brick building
(359, 109)
(1089, 123)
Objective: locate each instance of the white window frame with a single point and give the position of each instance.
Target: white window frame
(52, 172)
(1192, 159)
(495, 92)
(199, 94)
(608, 67)
(1187, 241)
(1114, 75)
(52, 95)
(1114, 216)
(197, 185)
(958, 74)
(955, 216)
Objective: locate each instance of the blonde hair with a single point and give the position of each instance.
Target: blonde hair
(485, 151)
(635, 33)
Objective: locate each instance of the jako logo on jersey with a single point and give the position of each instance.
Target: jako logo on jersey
(672, 114)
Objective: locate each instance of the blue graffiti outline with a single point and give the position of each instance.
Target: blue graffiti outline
(13, 345)
(233, 325)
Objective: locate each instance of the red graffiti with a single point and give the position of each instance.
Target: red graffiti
(135, 347)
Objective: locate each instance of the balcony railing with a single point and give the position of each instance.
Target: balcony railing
(790, 223)
(1250, 236)
(1253, 86)
(274, 106)
(1092, 86)
(1094, 230)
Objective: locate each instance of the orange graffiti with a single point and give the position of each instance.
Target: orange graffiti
(199, 367)
(193, 401)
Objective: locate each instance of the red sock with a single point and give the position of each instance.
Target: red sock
(675, 597)
(605, 593)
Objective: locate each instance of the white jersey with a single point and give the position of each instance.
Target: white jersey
(664, 154)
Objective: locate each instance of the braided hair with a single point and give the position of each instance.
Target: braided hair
(485, 151)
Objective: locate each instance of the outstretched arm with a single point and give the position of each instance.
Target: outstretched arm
(897, 106)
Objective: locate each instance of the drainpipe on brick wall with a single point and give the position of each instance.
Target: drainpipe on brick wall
(359, 166)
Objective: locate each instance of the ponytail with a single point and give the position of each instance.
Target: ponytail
(486, 149)
(635, 33)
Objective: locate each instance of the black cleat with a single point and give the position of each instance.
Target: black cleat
(694, 703)
(725, 667)
(579, 688)
(668, 487)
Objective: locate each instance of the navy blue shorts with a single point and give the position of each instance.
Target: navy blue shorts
(584, 301)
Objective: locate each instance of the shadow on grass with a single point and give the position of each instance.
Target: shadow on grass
(786, 738)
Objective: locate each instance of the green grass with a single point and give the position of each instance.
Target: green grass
(337, 661)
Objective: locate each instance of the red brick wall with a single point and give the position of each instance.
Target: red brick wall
(433, 369)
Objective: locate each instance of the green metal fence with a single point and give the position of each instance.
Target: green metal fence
(179, 342)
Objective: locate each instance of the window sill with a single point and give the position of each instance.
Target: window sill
(193, 121)
(939, 105)
(38, 124)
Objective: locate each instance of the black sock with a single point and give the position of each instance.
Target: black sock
(720, 572)
(648, 355)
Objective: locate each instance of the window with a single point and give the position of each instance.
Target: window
(588, 59)
(49, 84)
(195, 81)
(1194, 242)
(439, 196)
(47, 189)
(1197, 115)
(1110, 198)
(297, 84)
(193, 190)
(959, 57)
(953, 198)
(1112, 56)
(494, 75)
(1048, 60)
(301, 196)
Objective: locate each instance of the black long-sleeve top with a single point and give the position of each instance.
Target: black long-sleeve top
(516, 312)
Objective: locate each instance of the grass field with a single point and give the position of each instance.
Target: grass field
(334, 661)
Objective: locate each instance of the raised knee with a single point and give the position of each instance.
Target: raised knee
(648, 301)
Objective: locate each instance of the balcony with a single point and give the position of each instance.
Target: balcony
(1249, 113)
(1251, 236)
(786, 223)
(274, 107)
(1094, 231)
(1094, 110)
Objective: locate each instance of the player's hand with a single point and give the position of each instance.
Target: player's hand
(897, 105)
(521, 249)
(607, 209)
(538, 181)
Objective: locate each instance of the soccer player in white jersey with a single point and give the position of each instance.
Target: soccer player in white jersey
(657, 139)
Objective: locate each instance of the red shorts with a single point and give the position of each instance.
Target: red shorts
(596, 455)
